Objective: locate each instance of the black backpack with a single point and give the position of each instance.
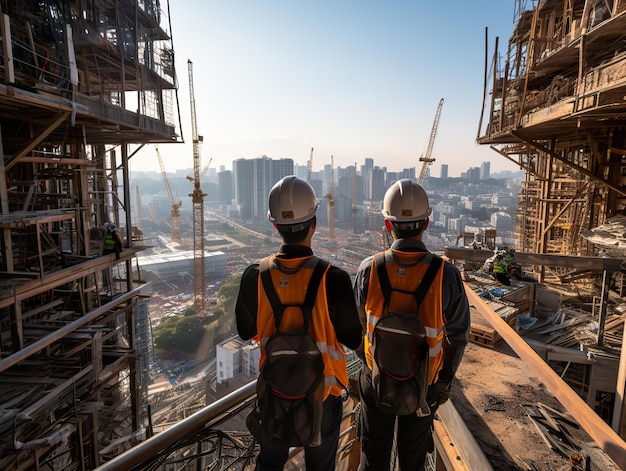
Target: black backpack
(290, 388)
(400, 349)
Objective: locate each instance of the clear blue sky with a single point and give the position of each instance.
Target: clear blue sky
(350, 78)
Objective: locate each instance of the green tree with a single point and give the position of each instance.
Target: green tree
(164, 336)
(184, 334)
(228, 293)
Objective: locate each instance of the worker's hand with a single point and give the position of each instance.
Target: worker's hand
(444, 391)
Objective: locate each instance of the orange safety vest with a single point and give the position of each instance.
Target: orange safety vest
(406, 270)
(291, 278)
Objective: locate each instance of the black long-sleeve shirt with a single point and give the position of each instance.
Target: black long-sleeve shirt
(456, 311)
(340, 298)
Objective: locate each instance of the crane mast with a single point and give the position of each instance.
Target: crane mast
(355, 208)
(427, 158)
(174, 213)
(331, 201)
(197, 199)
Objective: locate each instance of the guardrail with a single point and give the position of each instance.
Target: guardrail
(148, 454)
(198, 441)
(182, 443)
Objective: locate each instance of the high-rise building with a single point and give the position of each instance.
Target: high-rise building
(244, 187)
(253, 180)
(226, 186)
(391, 177)
(366, 169)
(377, 183)
(444, 170)
(473, 173)
(484, 170)
(408, 173)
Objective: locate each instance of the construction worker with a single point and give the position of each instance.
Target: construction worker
(292, 211)
(444, 311)
(113, 242)
(501, 266)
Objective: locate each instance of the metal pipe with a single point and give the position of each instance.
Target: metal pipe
(606, 278)
(43, 342)
(550, 260)
(155, 445)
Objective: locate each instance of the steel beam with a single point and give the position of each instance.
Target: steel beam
(550, 260)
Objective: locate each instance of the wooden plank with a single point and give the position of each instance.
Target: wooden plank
(455, 444)
(619, 411)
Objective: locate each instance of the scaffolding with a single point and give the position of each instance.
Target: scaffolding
(557, 111)
(74, 328)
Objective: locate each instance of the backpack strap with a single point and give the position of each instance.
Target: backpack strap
(270, 291)
(420, 292)
(311, 292)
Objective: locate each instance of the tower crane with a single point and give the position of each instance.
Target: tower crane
(427, 158)
(206, 167)
(310, 167)
(331, 201)
(174, 213)
(355, 208)
(204, 171)
(197, 198)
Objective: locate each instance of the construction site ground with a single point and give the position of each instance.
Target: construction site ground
(490, 390)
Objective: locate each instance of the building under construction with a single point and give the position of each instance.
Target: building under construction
(557, 108)
(555, 105)
(83, 85)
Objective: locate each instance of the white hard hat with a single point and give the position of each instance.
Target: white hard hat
(292, 202)
(406, 201)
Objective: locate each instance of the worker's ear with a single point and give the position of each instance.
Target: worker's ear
(425, 224)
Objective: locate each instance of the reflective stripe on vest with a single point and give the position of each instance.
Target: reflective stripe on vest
(108, 239)
(406, 270)
(291, 278)
(499, 267)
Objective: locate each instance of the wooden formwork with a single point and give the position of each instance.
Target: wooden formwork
(484, 336)
(481, 331)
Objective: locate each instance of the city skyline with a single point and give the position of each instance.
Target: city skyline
(459, 207)
(441, 170)
(357, 193)
(350, 79)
